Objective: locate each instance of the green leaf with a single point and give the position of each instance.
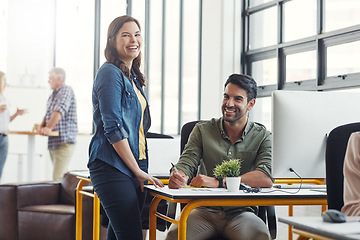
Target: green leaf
(230, 168)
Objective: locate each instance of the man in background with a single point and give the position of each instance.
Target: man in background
(60, 116)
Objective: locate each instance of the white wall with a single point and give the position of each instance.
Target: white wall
(30, 50)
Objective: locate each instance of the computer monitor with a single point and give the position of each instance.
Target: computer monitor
(301, 121)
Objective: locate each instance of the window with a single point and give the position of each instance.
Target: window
(190, 62)
(110, 9)
(72, 35)
(74, 52)
(3, 36)
(316, 51)
(343, 59)
(341, 14)
(262, 30)
(265, 71)
(301, 66)
(27, 54)
(173, 63)
(292, 16)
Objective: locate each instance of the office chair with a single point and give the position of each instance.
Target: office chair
(266, 213)
(336, 145)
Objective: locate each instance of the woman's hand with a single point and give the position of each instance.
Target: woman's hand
(17, 113)
(21, 111)
(122, 148)
(3, 108)
(143, 176)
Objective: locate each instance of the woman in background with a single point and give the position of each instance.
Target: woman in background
(5, 119)
(352, 176)
(118, 160)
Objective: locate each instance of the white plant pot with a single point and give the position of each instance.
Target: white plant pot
(233, 183)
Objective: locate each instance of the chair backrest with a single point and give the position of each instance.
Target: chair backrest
(184, 137)
(334, 159)
(185, 133)
(158, 135)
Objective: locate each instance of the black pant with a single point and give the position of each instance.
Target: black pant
(121, 198)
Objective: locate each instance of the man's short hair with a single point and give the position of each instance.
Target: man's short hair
(245, 82)
(58, 72)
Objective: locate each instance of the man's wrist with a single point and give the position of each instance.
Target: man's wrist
(221, 182)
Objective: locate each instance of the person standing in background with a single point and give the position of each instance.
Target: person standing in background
(5, 119)
(60, 116)
(118, 160)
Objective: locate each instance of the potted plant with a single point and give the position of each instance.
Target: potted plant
(230, 170)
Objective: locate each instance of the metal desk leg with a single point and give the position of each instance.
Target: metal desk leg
(31, 157)
(152, 218)
(96, 218)
(290, 229)
(79, 209)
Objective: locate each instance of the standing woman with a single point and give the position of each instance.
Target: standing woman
(5, 119)
(118, 160)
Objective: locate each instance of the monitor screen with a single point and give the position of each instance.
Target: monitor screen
(301, 121)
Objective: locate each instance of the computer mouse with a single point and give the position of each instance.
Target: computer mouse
(333, 216)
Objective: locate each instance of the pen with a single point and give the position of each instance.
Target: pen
(174, 167)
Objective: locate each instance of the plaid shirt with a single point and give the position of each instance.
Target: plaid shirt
(63, 100)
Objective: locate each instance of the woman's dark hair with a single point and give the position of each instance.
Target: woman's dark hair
(245, 82)
(111, 53)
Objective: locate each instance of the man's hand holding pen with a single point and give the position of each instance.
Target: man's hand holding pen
(177, 179)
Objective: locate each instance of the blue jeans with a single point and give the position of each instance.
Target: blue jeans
(121, 198)
(4, 144)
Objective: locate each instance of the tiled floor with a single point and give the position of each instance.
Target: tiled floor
(159, 235)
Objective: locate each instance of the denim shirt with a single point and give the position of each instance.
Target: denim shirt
(117, 116)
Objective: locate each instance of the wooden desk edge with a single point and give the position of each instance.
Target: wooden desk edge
(248, 202)
(52, 134)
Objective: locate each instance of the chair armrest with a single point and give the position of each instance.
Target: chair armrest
(268, 215)
(38, 194)
(8, 212)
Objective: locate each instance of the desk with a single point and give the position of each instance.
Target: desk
(314, 227)
(31, 148)
(84, 177)
(196, 197)
(305, 181)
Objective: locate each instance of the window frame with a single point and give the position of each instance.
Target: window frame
(320, 42)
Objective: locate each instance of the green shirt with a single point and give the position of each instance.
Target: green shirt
(209, 146)
(208, 143)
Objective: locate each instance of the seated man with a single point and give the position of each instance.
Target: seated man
(229, 137)
(352, 176)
